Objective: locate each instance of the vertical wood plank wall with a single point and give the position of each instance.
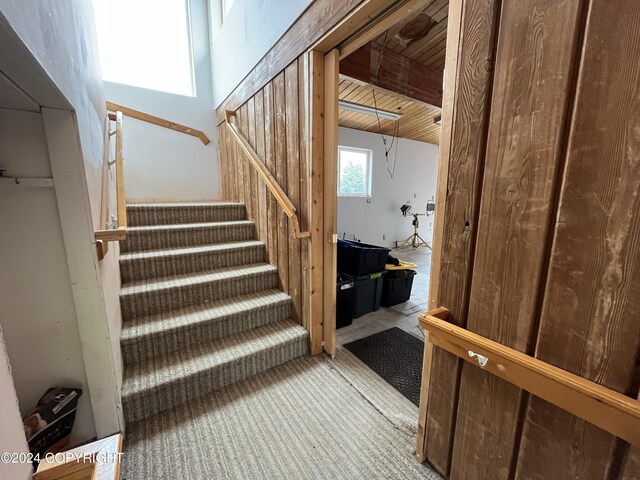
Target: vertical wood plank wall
(541, 241)
(275, 122)
(465, 146)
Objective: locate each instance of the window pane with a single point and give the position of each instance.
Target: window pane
(353, 172)
(145, 43)
(226, 7)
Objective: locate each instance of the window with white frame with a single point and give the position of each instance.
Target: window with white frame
(146, 44)
(354, 172)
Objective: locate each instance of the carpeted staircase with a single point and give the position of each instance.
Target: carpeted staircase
(201, 308)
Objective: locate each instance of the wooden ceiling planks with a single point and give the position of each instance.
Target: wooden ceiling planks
(416, 121)
(429, 49)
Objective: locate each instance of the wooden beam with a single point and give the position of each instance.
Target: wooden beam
(162, 122)
(385, 68)
(316, 223)
(331, 62)
(609, 410)
(387, 19)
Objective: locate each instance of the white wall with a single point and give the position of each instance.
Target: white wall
(12, 439)
(38, 314)
(50, 51)
(414, 179)
(251, 28)
(61, 36)
(163, 164)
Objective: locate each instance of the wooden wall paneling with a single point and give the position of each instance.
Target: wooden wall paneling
(304, 108)
(238, 164)
(262, 188)
(252, 172)
(316, 219)
(292, 187)
(428, 401)
(473, 26)
(589, 323)
(280, 135)
(244, 162)
(269, 152)
(321, 17)
(331, 67)
(630, 469)
(222, 162)
(524, 142)
(232, 168)
(226, 184)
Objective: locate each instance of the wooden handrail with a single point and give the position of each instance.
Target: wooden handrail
(145, 117)
(283, 200)
(607, 409)
(119, 233)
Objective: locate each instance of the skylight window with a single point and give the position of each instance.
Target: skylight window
(146, 44)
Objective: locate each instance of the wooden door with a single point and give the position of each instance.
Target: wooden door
(540, 230)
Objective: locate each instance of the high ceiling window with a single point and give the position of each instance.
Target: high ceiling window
(146, 43)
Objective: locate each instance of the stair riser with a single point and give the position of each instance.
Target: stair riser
(148, 303)
(190, 336)
(140, 216)
(188, 237)
(144, 268)
(183, 389)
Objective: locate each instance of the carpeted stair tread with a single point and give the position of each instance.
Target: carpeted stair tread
(201, 307)
(175, 281)
(148, 336)
(169, 252)
(154, 295)
(162, 262)
(188, 212)
(160, 205)
(157, 384)
(155, 237)
(185, 226)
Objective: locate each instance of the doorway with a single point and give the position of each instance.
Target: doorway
(383, 103)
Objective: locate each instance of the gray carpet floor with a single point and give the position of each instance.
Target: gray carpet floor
(311, 418)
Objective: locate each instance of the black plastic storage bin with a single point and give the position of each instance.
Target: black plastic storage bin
(397, 287)
(361, 259)
(346, 289)
(368, 293)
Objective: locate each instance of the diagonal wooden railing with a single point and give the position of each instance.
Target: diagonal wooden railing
(120, 233)
(283, 200)
(161, 122)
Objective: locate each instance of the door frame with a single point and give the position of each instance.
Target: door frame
(361, 26)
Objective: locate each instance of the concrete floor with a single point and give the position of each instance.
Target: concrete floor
(404, 315)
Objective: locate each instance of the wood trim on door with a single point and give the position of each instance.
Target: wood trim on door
(331, 68)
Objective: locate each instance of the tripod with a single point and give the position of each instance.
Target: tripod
(415, 240)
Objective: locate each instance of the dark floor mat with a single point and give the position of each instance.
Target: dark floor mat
(396, 356)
